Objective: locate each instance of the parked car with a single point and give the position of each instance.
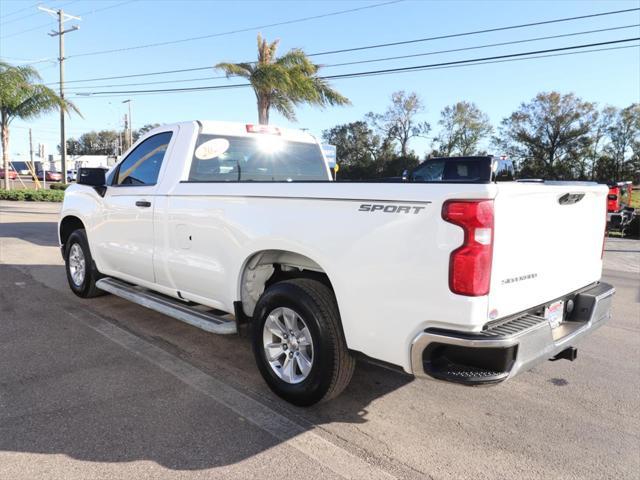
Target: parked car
(72, 175)
(50, 176)
(620, 213)
(11, 174)
(240, 228)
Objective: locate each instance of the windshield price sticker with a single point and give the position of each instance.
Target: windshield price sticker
(212, 149)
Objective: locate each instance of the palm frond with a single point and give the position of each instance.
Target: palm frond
(41, 99)
(284, 105)
(284, 82)
(244, 70)
(21, 97)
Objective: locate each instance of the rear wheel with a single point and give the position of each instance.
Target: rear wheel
(298, 342)
(81, 272)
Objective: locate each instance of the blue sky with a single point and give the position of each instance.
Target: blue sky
(607, 77)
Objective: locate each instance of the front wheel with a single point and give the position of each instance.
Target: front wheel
(81, 272)
(298, 342)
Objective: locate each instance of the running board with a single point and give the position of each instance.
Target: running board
(193, 315)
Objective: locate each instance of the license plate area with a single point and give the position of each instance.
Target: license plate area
(554, 313)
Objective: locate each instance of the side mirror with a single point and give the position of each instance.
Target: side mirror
(94, 177)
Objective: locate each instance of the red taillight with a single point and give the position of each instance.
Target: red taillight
(470, 264)
(251, 128)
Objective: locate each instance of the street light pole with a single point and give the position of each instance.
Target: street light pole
(130, 124)
(62, 17)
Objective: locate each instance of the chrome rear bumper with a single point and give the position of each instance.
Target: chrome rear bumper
(502, 351)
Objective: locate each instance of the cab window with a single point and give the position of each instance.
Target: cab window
(142, 166)
(262, 158)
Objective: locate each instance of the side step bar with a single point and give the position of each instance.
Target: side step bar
(204, 320)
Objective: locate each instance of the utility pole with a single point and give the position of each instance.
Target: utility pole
(62, 17)
(126, 132)
(130, 123)
(31, 150)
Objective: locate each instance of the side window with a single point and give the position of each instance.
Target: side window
(142, 166)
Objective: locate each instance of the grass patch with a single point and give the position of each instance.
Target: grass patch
(24, 195)
(635, 199)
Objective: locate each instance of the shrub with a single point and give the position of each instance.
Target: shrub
(58, 186)
(32, 195)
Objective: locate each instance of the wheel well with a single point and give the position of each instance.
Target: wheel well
(267, 267)
(69, 225)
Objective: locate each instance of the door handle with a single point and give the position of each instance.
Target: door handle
(143, 203)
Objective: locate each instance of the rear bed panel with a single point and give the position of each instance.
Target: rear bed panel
(544, 247)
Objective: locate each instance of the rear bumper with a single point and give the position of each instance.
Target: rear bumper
(504, 350)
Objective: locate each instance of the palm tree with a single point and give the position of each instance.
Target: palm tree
(284, 82)
(22, 97)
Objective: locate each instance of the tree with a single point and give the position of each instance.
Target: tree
(399, 122)
(547, 133)
(283, 83)
(624, 134)
(361, 153)
(143, 130)
(22, 97)
(463, 127)
(599, 134)
(104, 142)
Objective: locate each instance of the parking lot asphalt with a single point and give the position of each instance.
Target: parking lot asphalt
(103, 388)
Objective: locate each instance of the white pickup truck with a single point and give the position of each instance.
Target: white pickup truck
(450, 275)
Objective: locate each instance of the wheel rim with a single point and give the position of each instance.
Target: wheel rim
(288, 346)
(76, 265)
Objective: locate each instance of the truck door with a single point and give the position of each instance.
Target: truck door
(125, 237)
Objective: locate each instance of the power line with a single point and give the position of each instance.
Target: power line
(165, 72)
(331, 52)
(375, 59)
(378, 72)
(509, 27)
(107, 7)
(83, 14)
(425, 69)
(477, 47)
(20, 10)
(184, 80)
(33, 14)
(241, 30)
(476, 32)
(460, 62)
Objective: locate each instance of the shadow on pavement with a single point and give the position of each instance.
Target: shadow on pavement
(66, 389)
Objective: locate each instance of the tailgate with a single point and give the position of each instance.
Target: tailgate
(547, 243)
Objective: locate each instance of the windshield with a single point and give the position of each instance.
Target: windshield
(453, 170)
(263, 158)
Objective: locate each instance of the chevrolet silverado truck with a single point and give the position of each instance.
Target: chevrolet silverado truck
(234, 228)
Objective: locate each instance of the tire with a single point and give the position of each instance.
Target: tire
(323, 342)
(78, 256)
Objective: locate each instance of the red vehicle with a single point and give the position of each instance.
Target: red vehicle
(619, 213)
(619, 196)
(12, 174)
(50, 176)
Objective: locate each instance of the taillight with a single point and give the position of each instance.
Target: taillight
(470, 264)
